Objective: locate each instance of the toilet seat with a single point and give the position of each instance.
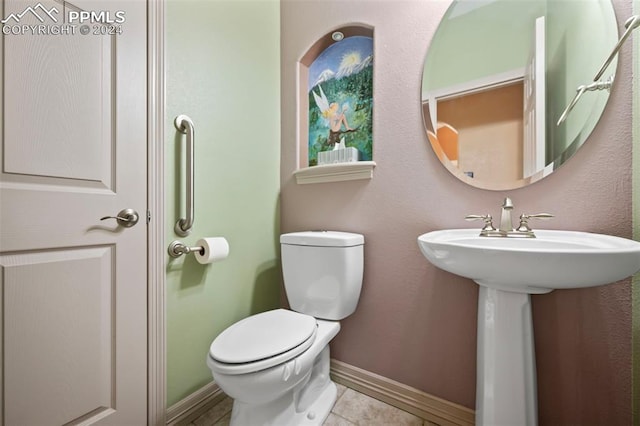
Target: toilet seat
(262, 341)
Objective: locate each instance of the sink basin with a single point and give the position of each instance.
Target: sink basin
(509, 270)
(553, 260)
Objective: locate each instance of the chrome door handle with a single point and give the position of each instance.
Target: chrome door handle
(126, 218)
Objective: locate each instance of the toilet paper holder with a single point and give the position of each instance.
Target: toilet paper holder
(177, 249)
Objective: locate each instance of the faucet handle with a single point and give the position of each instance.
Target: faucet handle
(524, 220)
(488, 221)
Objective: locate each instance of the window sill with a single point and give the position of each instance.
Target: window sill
(335, 172)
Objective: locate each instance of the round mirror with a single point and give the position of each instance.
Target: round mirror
(498, 76)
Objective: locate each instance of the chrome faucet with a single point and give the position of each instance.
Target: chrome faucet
(506, 223)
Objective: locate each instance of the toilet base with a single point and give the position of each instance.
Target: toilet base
(307, 404)
(282, 412)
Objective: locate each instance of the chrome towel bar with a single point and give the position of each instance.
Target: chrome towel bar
(184, 224)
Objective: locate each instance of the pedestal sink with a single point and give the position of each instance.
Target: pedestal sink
(508, 271)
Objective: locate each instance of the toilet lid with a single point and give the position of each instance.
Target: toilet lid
(262, 336)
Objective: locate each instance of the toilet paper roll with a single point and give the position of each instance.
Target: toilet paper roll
(215, 248)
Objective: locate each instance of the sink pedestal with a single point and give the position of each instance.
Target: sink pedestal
(508, 270)
(506, 370)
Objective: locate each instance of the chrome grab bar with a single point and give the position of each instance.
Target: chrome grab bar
(596, 85)
(183, 225)
(631, 24)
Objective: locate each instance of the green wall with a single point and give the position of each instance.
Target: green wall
(636, 218)
(459, 51)
(223, 70)
(569, 29)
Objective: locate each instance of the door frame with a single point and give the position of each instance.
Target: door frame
(156, 339)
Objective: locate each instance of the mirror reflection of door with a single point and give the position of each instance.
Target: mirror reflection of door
(499, 73)
(535, 104)
(500, 120)
(489, 125)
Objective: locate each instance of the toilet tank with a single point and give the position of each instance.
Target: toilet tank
(322, 272)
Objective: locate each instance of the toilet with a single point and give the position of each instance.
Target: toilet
(275, 364)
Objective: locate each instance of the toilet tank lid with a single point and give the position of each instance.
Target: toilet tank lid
(322, 239)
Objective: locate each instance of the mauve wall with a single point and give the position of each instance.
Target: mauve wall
(417, 324)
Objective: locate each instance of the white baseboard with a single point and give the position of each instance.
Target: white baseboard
(193, 406)
(414, 401)
(428, 407)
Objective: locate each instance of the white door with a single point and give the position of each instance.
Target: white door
(535, 104)
(73, 312)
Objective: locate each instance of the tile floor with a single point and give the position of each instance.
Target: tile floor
(351, 408)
